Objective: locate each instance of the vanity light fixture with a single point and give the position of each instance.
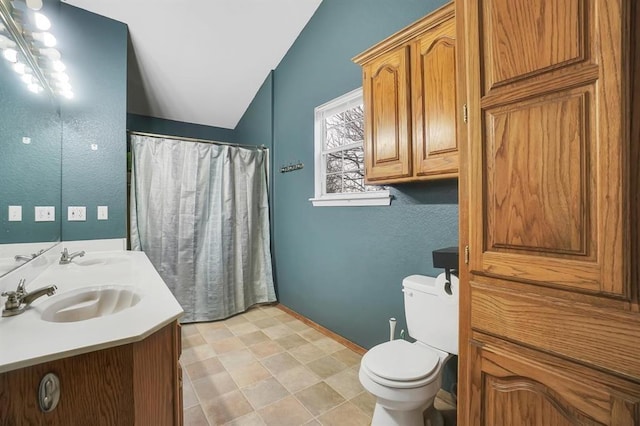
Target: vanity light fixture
(30, 47)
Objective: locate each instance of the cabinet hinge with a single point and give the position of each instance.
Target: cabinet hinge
(465, 113)
(466, 255)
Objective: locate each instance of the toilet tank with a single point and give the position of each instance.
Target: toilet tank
(432, 313)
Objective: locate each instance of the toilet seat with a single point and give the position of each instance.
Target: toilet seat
(400, 364)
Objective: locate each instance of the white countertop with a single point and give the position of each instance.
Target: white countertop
(26, 339)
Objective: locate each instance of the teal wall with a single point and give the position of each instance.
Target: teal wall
(142, 123)
(343, 266)
(95, 51)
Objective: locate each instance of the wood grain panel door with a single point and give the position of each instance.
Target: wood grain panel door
(550, 319)
(434, 103)
(386, 89)
(548, 143)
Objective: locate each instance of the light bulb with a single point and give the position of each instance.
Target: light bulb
(11, 55)
(46, 38)
(42, 22)
(51, 53)
(67, 94)
(63, 85)
(20, 68)
(34, 4)
(27, 78)
(60, 76)
(6, 42)
(35, 88)
(59, 66)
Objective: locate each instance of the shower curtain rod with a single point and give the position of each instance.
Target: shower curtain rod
(157, 135)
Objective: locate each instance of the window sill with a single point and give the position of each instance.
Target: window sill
(377, 198)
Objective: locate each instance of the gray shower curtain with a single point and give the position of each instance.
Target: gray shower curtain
(200, 213)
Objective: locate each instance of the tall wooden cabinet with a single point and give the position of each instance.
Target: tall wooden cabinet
(409, 91)
(550, 322)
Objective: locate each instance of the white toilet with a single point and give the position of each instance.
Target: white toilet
(403, 376)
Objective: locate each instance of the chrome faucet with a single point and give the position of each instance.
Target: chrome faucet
(66, 258)
(19, 300)
(19, 257)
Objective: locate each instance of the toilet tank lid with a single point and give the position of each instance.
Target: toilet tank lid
(420, 283)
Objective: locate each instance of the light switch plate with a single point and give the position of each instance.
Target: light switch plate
(15, 213)
(103, 212)
(76, 213)
(45, 214)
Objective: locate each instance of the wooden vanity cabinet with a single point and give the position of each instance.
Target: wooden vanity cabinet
(409, 91)
(132, 384)
(549, 184)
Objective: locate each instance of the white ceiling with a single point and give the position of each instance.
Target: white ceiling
(204, 63)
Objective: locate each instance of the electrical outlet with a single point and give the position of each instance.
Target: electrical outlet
(45, 214)
(15, 213)
(103, 212)
(76, 213)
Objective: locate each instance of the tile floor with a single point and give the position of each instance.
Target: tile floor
(265, 367)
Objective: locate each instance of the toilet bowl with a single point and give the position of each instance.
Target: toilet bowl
(405, 377)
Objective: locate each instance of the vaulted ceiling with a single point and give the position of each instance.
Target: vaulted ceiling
(202, 61)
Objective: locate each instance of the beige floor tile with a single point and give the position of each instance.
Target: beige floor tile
(329, 345)
(216, 334)
(346, 414)
(251, 419)
(227, 345)
(286, 412)
(255, 314)
(291, 341)
(297, 378)
(194, 416)
(297, 325)
(346, 383)
(243, 328)
(266, 349)
(189, 329)
(307, 353)
(278, 331)
(272, 310)
(266, 322)
(196, 353)
(191, 340)
(208, 326)
(312, 422)
(226, 408)
(348, 357)
(319, 398)
(312, 335)
(253, 338)
(238, 319)
(213, 386)
(249, 374)
(264, 393)
(280, 362)
(200, 369)
(365, 401)
(236, 359)
(283, 317)
(189, 398)
(326, 366)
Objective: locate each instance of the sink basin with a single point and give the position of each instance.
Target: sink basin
(92, 302)
(80, 261)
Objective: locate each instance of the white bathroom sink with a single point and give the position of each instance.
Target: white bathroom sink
(92, 302)
(98, 261)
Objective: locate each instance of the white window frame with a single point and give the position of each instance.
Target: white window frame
(321, 199)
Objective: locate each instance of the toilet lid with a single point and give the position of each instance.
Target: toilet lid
(401, 361)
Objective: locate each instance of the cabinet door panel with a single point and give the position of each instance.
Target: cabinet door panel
(387, 128)
(547, 160)
(434, 102)
(517, 386)
(523, 38)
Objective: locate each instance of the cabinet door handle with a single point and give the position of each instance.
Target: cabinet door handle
(49, 392)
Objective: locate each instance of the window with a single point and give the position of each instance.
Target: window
(339, 155)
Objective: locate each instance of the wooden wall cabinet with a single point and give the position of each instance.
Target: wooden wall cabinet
(133, 384)
(549, 183)
(409, 92)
